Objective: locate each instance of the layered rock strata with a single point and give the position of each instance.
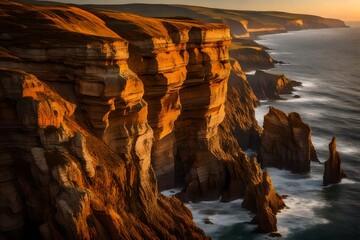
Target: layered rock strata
(271, 86)
(242, 23)
(76, 160)
(333, 172)
(98, 108)
(286, 142)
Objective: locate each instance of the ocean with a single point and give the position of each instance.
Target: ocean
(327, 62)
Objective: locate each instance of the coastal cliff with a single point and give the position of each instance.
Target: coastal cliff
(242, 23)
(76, 163)
(100, 108)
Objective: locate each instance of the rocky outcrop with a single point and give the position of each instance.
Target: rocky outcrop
(286, 142)
(270, 86)
(252, 58)
(333, 172)
(256, 186)
(261, 198)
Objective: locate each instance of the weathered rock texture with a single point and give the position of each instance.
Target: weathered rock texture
(270, 86)
(286, 142)
(252, 58)
(261, 198)
(92, 102)
(240, 120)
(333, 172)
(75, 142)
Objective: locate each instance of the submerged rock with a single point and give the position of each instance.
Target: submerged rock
(270, 86)
(333, 172)
(286, 142)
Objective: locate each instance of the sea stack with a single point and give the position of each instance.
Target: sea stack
(286, 142)
(333, 172)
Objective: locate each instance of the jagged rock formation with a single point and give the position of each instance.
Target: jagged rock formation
(270, 86)
(261, 198)
(333, 172)
(87, 98)
(286, 142)
(240, 120)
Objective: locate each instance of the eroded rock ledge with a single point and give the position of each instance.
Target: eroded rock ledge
(270, 86)
(92, 103)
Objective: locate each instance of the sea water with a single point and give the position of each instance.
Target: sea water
(327, 62)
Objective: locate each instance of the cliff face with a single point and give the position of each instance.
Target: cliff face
(94, 102)
(242, 23)
(81, 169)
(240, 120)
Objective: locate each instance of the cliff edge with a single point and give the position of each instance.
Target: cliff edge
(101, 108)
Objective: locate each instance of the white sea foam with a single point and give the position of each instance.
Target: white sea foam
(279, 53)
(251, 73)
(306, 82)
(320, 142)
(221, 215)
(312, 99)
(171, 192)
(302, 200)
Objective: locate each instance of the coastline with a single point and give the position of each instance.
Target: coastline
(306, 191)
(134, 105)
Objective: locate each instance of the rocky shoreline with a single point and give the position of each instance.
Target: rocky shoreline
(104, 109)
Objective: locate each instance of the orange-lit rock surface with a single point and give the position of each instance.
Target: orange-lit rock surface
(100, 108)
(286, 142)
(76, 143)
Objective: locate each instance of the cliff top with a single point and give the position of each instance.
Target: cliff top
(42, 24)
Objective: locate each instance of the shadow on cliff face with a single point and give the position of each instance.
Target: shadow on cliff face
(61, 194)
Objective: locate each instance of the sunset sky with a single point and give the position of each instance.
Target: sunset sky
(347, 10)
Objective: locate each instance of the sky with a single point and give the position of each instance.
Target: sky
(347, 10)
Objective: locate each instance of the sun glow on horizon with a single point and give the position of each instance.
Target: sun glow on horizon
(347, 10)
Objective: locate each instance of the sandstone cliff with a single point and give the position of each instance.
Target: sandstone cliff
(75, 143)
(332, 171)
(270, 86)
(286, 142)
(242, 23)
(93, 103)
